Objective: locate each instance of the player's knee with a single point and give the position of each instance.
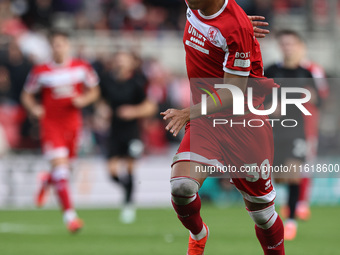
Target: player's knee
(113, 166)
(183, 189)
(60, 172)
(264, 218)
(184, 186)
(59, 162)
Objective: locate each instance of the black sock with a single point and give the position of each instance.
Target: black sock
(115, 178)
(293, 199)
(127, 182)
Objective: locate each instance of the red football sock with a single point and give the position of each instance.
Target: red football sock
(304, 189)
(272, 239)
(190, 216)
(60, 183)
(62, 191)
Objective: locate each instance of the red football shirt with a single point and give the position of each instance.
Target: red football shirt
(58, 85)
(223, 42)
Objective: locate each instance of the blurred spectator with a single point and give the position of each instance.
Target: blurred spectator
(247, 6)
(11, 115)
(18, 67)
(69, 5)
(286, 6)
(4, 84)
(23, 28)
(10, 22)
(141, 15)
(39, 13)
(4, 146)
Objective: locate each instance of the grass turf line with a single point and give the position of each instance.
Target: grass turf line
(156, 231)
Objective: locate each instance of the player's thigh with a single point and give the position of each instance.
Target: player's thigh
(256, 187)
(54, 145)
(189, 169)
(197, 152)
(250, 151)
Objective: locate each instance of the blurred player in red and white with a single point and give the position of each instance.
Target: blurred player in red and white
(294, 52)
(66, 85)
(311, 130)
(220, 43)
(291, 144)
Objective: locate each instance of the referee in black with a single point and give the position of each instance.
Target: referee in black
(123, 88)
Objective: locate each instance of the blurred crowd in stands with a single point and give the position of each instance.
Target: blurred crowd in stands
(145, 15)
(23, 42)
(19, 131)
(24, 27)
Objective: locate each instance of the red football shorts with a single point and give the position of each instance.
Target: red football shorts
(59, 141)
(236, 148)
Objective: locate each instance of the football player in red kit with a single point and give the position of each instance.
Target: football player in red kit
(66, 85)
(220, 42)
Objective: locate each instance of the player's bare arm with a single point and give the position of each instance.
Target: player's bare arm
(32, 106)
(178, 118)
(143, 110)
(90, 96)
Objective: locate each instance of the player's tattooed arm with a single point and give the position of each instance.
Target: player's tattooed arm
(178, 118)
(258, 21)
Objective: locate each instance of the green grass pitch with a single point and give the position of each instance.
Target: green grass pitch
(156, 231)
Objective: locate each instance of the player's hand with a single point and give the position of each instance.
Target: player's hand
(258, 21)
(79, 102)
(178, 118)
(38, 112)
(126, 112)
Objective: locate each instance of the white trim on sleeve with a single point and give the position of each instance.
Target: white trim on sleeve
(235, 72)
